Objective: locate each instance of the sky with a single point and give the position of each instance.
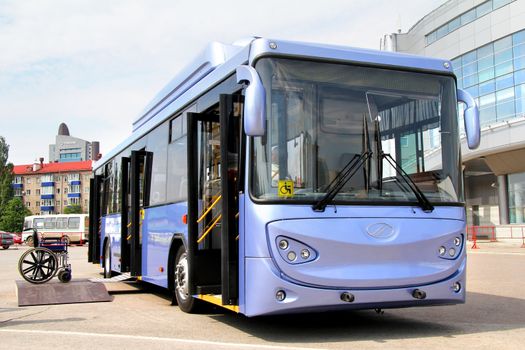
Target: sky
(95, 64)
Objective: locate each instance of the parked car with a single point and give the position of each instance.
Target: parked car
(6, 239)
(17, 238)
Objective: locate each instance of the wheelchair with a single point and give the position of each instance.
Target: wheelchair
(41, 263)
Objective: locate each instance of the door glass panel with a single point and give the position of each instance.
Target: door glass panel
(209, 184)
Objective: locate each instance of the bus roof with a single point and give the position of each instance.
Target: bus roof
(219, 61)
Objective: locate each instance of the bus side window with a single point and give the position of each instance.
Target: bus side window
(74, 223)
(61, 223)
(49, 223)
(38, 223)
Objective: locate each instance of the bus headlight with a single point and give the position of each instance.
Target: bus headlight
(283, 244)
(291, 256)
(290, 249)
(451, 248)
(305, 254)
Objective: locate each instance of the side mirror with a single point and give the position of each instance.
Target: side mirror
(254, 101)
(471, 118)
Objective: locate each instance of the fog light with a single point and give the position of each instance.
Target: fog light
(305, 253)
(452, 252)
(283, 244)
(457, 241)
(291, 256)
(456, 287)
(442, 250)
(280, 295)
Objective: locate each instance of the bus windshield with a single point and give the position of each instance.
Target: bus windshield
(321, 116)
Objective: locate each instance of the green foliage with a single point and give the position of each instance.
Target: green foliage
(6, 175)
(73, 209)
(12, 219)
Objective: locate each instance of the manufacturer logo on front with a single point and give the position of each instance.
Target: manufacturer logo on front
(380, 230)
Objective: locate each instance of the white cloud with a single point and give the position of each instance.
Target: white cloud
(96, 64)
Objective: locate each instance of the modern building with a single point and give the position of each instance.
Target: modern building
(72, 149)
(485, 40)
(48, 188)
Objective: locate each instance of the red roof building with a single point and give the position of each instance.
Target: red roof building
(47, 168)
(48, 188)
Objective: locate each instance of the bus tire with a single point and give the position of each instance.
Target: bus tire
(185, 301)
(5, 246)
(107, 260)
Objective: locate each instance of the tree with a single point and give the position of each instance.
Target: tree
(73, 209)
(6, 175)
(12, 219)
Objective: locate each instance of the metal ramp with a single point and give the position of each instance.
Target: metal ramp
(119, 278)
(55, 292)
(120, 284)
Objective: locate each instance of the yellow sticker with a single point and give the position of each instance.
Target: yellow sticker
(142, 215)
(285, 188)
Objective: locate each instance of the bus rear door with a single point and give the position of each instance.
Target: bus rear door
(139, 184)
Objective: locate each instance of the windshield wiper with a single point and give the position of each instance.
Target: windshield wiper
(348, 171)
(423, 201)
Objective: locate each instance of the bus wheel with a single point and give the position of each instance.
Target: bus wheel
(65, 240)
(5, 246)
(107, 261)
(29, 241)
(185, 301)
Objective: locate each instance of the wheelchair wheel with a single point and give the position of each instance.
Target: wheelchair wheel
(38, 265)
(64, 275)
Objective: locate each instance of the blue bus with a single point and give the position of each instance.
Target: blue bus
(274, 177)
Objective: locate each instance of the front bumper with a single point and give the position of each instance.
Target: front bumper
(264, 281)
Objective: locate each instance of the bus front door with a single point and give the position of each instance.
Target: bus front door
(213, 183)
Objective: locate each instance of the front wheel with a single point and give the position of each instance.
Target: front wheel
(5, 246)
(185, 301)
(64, 275)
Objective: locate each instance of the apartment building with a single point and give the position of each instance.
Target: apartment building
(49, 188)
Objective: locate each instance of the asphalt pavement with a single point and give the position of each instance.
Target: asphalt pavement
(493, 316)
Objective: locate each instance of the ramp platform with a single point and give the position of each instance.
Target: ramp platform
(55, 292)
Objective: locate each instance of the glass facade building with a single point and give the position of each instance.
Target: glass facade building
(485, 41)
(494, 75)
(464, 19)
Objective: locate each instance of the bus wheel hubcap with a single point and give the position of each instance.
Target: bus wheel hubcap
(181, 277)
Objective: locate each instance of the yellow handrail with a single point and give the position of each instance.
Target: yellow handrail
(209, 228)
(210, 208)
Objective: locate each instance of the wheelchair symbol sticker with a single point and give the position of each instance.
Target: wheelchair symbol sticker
(285, 188)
